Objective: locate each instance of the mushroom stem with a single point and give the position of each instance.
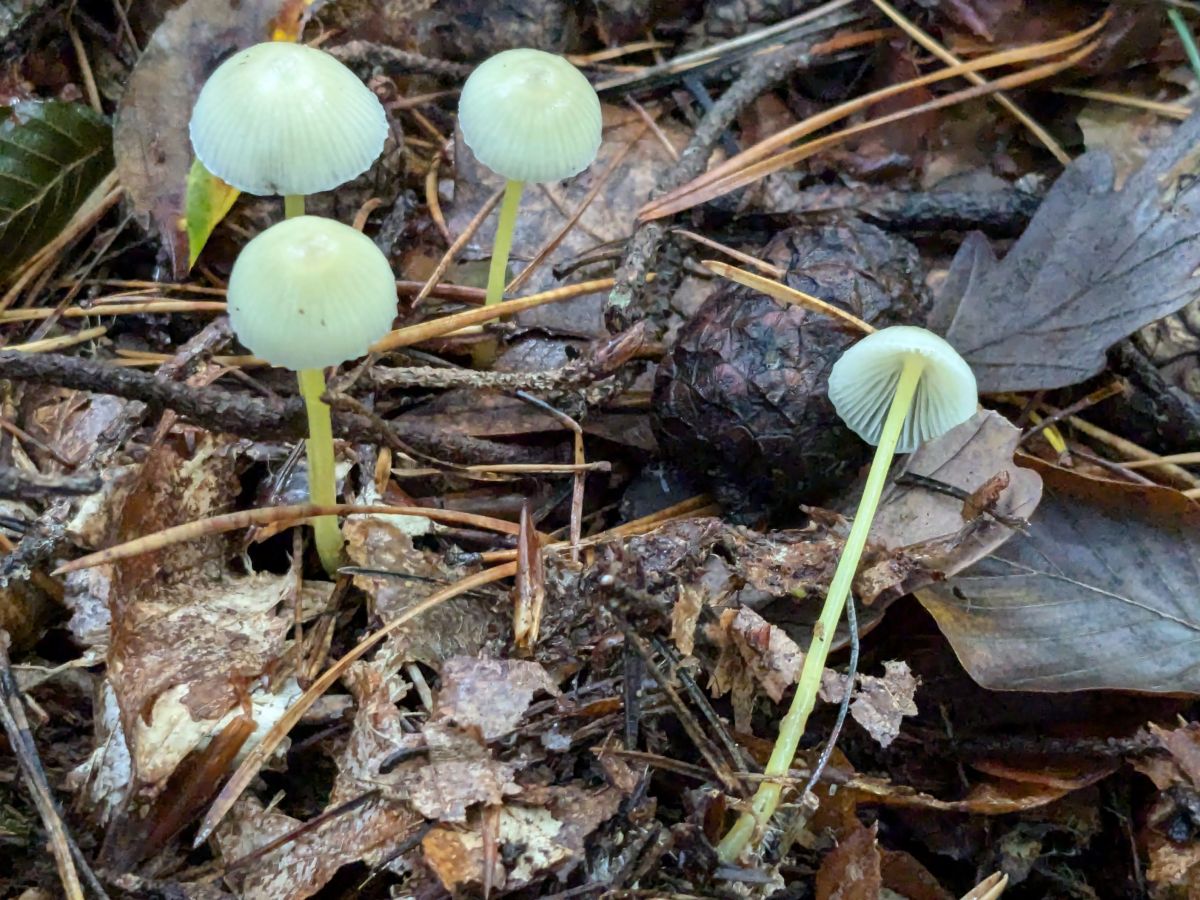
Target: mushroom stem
(791, 729)
(503, 243)
(293, 205)
(322, 487)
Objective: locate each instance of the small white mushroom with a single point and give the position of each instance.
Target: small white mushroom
(305, 294)
(527, 115)
(311, 292)
(530, 116)
(896, 388)
(283, 118)
(865, 378)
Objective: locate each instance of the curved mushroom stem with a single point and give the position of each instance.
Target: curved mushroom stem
(293, 205)
(503, 243)
(322, 485)
(791, 729)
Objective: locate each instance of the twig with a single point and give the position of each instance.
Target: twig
(224, 411)
(66, 852)
(18, 485)
(369, 55)
(642, 249)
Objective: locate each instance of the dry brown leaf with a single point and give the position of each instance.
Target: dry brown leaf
(150, 137)
(549, 838)
(879, 704)
(458, 627)
(851, 870)
(1100, 594)
(529, 587)
(968, 457)
(490, 695)
(1044, 316)
(460, 773)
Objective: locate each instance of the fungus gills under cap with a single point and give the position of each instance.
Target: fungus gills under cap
(283, 118)
(896, 388)
(527, 115)
(305, 294)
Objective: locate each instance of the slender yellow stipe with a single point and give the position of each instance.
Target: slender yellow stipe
(791, 729)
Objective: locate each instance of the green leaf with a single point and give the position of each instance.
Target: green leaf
(52, 155)
(208, 201)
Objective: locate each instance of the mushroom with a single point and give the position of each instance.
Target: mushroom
(308, 293)
(896, 388)
(527, 115)
(283, 118)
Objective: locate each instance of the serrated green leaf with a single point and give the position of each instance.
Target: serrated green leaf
(52, 154)
(208, 201)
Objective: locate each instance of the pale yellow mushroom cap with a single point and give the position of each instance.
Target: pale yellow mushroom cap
(530, 116)
(863, 381)
(311, 292)
(282, 118)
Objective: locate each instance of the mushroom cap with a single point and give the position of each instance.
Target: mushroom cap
(863, 381)
(311, 292)
(530, 116)
(283, 118)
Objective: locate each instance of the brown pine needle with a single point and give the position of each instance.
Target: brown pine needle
(704, 188)
(424, 331)
(273, 515)
(785, 294)
(254, 760)
(49, 345)
(950, 59)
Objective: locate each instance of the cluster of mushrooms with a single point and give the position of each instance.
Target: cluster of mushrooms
(309, 293)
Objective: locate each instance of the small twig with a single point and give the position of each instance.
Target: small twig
(642, 248)
(1097, 396)
(66, 852)
(366, 55)
(18, 485)
(706, 747)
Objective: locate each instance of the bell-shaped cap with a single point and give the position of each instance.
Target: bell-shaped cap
(282, 118)
(529, 115)
(863, 381)
(311, 292)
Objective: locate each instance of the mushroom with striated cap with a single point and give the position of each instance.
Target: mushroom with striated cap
(896, 388)
(283, 118)
(305, 294)
(529, 116)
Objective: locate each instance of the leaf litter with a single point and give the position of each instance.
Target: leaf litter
(600, 721)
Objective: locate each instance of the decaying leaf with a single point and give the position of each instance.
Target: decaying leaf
(52, 155)
(879, 704)
(546, 837)
(150, 137)
(967, 458)
(489, 694)
(851, 871)
(458, 627)
(1099, 594)
(1094, 266)
(371, 831)
(751, 650)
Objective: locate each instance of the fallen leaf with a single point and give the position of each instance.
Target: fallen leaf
(207, 201)
(879, 704)
(1099, 594)
(1183, 743)
(968, 458)
(150, 137)
(52, 155)
(455, 628)
(851, 870)
(459, 774)
(535, 839)
(1093, 266)
(489, 694)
